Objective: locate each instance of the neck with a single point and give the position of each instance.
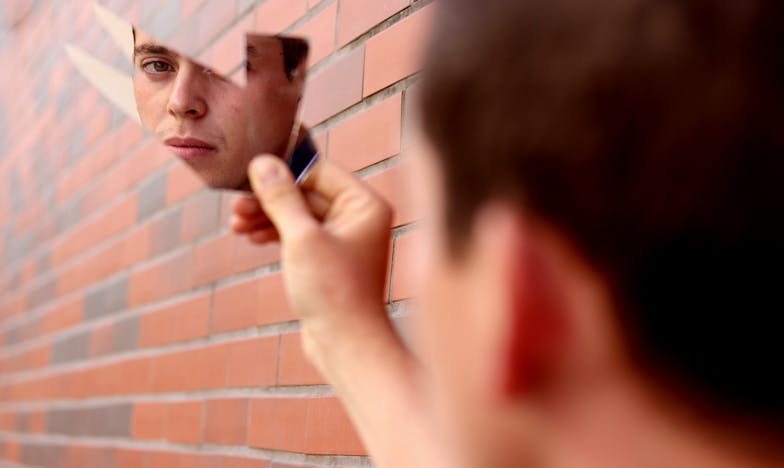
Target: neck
(621, 425)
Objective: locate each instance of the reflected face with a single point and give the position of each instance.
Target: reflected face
(275, 85)
(198, 114)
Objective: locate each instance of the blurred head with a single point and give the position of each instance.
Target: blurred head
(609, 215)
(276, 70)
(198, 114)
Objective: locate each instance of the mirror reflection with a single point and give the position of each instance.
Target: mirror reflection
(216, 126)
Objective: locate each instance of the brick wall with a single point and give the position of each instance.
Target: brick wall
(135, 330)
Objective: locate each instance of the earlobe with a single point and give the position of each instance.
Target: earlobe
(536, 333)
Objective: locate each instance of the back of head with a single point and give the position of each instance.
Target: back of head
(651, 133)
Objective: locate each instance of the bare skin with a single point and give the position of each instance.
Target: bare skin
(486, 390)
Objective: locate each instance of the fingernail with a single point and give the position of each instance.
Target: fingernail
(265, 172)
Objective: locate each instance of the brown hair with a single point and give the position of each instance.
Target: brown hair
(295, 52)
(651, 132)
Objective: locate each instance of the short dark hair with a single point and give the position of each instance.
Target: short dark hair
(295, 51)
(651, 133)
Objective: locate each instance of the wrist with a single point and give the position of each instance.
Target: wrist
(344, 351)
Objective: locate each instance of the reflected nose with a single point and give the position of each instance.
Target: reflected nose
(187, 99)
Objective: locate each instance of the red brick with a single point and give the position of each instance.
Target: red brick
(143, 286)
(149, 420)
(213, 259)
(101, 340)
(181, 181)
(176, 275)
(369, 137)
(259, 301)
(248, 256)
(161, 280)
(273, 306)
(127, 173)
(320, 33)
(253, 362)
(229, 52)
(63, 316)
(95, 162)
(28, 271)
(192, 318)
(305, 425)
(39, 357)
(195, 369)
(235, 306)
(163, 460)
(226, 421)
(278, 423)
(211, 21)
(8, 421)
(198, 218)
(227, 199)
(12, 451)
(97, 125)
(131, 376)
(404, 273)
(273, 16)
(357, 16)
(105, 262)
(137, 245)
(392, 184)
(184, 422)
(295, 369)
(36, 422)
(13, 307)
(119, 217)
(156, 328)
(188, 7)
(237, 462)
(335, 88)
(397, 52)
(128, 458)
(181, 460)
(120, 378)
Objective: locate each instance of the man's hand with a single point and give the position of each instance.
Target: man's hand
(334, 234)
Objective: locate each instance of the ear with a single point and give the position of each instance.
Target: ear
(536, 335)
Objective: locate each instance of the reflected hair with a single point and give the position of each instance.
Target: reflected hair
(295, 53)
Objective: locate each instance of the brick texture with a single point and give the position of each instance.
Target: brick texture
(135, 329)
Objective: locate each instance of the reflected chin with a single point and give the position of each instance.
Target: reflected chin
(222, 181)
(191, 153)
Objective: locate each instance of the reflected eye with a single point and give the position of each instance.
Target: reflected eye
(157, 66)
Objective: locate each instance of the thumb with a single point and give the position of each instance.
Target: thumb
(281, 199)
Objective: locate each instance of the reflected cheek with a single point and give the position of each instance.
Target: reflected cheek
(150, 102)
(231, 125)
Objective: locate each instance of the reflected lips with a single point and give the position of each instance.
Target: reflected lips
(190, 148)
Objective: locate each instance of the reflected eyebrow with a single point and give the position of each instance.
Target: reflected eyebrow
(153, 49)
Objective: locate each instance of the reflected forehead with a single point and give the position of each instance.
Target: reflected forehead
(145, 44)
(153, 48)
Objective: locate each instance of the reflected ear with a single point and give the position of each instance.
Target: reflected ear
(536, 335)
